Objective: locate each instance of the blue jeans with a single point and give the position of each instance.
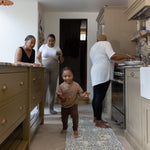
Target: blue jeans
(99, 95)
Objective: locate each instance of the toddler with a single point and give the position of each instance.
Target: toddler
(68, 92)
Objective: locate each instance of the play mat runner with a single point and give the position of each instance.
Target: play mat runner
(91, 137)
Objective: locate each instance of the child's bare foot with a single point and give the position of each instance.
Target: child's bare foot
(62, 131)
(76, 134)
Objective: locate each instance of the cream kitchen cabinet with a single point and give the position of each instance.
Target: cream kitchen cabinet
(138, 9)
(16, 92)
(146, 123)
(133, 107)
(113, 22)
(137, 112)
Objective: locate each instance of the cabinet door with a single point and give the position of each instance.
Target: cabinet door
(133, 105)
(130, 2)
(146, 124)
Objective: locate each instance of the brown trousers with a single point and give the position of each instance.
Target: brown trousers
(73, 111)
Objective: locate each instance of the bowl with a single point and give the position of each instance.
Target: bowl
(132, 62)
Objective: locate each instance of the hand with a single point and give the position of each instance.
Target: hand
(85, 94)
(131, 57)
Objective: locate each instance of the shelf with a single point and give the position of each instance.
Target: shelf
(140, 34)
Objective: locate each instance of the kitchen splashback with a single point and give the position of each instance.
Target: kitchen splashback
(144, 49)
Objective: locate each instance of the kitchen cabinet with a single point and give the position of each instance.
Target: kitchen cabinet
(18, 86)
(133, 105)
(113, 22)
(138, 9)
(137, 112)
(146, 123)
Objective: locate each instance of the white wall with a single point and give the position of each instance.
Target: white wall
(51, 21)
(16, 22)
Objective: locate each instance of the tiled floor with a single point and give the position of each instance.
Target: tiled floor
(52, 123)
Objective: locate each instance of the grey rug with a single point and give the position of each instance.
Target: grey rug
(91, 137)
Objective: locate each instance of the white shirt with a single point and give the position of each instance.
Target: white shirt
(48, 51)
(102, 66)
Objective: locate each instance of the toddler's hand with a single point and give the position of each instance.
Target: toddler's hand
(85, 94)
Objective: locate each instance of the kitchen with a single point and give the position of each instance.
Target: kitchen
(15, 20)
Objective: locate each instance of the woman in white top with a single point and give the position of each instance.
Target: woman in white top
(101, 55)
(51, 56)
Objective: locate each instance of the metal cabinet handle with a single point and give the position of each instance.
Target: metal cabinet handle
(3, 121)
(4, 88)
(21, 83)
(132, 74)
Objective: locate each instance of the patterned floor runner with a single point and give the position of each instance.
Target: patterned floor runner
(91, 137)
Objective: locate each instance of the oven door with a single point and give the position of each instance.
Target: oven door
(118, 104)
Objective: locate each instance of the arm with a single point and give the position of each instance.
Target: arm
(38, 58)
(85, 94)
(63, 98)
(121, 57)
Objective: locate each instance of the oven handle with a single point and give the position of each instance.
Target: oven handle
(118, 81)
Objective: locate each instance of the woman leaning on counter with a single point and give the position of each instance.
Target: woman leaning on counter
(26, 54)
(51, 56)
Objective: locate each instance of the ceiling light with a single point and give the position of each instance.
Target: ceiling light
(6, 2)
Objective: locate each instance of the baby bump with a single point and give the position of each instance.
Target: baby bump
(50, 65)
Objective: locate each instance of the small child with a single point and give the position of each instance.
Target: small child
(68, 92)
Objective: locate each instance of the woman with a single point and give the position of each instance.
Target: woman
(26, 54)
(101, 55)
(51, 56)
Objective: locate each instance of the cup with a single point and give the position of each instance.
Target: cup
(58, 53)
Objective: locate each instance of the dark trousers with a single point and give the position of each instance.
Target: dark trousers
(73, 111)
(99, 95)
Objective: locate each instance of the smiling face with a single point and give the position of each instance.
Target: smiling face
(30, 43)
(51, 42)
(67, 76)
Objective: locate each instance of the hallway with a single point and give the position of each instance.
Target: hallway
(48, 135)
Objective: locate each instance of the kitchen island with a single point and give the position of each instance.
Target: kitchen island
(137, 111)
(21, 104)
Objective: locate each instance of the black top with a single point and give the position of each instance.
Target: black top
(25, 58)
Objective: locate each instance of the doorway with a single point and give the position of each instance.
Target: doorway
(73, 43)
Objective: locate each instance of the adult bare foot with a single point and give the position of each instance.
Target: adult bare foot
(94, 120)
(102, 125)
(100, 121)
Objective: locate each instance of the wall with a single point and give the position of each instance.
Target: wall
(16, 23)
(51, 21)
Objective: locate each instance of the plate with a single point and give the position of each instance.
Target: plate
(132, 63)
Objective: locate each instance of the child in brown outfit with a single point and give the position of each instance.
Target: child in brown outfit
(68, 92)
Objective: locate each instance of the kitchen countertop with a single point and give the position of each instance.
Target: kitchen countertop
(15, 64)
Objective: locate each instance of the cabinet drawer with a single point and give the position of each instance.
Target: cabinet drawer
(35, 99)
(11, 115)
(11, 84)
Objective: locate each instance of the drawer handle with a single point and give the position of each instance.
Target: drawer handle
(20, 107)
(132, 74)
(34, 79)
(33, 97)
(4, 88)
(3, 121)
(21, 83)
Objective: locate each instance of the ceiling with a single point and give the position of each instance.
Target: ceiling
(79, 5)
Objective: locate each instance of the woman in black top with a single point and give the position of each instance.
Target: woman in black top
(26, 53)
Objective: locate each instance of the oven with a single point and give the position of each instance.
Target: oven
(118, 96)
